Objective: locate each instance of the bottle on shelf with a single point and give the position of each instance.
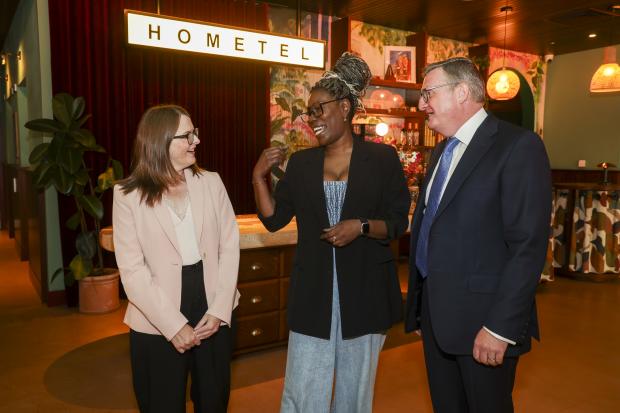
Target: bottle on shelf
(415, 141)
(402, 140)
(409, 135)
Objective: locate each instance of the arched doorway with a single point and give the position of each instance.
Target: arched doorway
(518, 110)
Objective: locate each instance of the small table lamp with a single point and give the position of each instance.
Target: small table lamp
(605, 166)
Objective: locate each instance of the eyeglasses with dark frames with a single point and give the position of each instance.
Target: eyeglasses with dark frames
(191, 136)
(425, 93)
(316, 111)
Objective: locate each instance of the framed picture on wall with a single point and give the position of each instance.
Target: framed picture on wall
(401, 60)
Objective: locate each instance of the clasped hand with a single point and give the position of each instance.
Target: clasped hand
(342, 233)
(188, 337)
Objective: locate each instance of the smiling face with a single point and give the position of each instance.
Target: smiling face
(442, 107)
(182, 154)
(331, 125)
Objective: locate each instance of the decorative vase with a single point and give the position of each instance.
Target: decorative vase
(99, 294)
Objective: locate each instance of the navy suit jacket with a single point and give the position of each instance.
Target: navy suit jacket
(487, 243)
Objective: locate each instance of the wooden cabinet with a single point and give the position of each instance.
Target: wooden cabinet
(263, 284)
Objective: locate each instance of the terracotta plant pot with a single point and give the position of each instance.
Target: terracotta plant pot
(99, 294)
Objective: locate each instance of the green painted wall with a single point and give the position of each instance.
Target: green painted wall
(579, 125)
(29, 33)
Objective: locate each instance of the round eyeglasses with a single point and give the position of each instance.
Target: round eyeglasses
(191, 136)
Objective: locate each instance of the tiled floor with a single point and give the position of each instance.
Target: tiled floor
(57, 360)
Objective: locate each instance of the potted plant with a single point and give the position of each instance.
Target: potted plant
(60, 163)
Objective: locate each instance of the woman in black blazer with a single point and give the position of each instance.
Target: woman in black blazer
(350, 199)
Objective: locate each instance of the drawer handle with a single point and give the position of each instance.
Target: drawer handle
(256, 332)
(255, 267)
(256, 299)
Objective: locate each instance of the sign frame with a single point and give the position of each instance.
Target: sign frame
(207, 53)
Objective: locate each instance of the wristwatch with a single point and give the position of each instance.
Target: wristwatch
(365, 228)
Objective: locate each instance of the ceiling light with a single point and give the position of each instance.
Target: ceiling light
(606, 79)
(592, 35)
(503, 84)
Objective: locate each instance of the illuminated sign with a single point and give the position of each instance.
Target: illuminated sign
(155, 30)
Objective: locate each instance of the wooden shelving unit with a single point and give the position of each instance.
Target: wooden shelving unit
(392, 83)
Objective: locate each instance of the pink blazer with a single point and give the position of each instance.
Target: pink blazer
(148, 257)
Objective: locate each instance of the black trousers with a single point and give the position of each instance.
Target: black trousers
(458, 383)
(160, 372)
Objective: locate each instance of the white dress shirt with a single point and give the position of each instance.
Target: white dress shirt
(464, 135)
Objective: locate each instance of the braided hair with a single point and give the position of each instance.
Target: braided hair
(348, 79)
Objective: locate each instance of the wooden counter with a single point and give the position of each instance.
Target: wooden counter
(264, 269)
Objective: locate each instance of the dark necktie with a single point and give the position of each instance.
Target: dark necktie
(421, 255)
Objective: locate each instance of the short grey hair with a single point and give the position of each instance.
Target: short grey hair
(462, 70)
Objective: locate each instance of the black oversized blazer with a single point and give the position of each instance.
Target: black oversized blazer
(370, 297)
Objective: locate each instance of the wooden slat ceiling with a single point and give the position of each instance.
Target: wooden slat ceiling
(534, 26)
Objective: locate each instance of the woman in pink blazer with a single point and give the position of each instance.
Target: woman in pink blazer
(177, 247)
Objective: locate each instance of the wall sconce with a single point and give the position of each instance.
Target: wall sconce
(3, 59)
(19, 55)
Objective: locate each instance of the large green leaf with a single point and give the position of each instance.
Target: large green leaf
(80, 267)
(56, 148)
(92, 205)
(44, 125)
(68, 278)
(82, 177)
(43, 174)
(63, 181)
(86, 244)
(84, 137)
(71, 160)
(38, 153)
(73, 222)
(80, 122)
(78, 107)
(62, 105)
(105, 180)
(118, 169)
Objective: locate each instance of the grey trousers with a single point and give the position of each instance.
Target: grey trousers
(315, 367)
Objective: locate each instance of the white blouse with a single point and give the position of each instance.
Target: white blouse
(186, 236)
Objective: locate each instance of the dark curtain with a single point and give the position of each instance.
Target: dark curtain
(227, 98)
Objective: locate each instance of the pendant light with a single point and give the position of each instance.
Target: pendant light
(606, 79)
(503, 84)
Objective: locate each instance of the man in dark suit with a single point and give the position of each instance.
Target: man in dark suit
(478, 244)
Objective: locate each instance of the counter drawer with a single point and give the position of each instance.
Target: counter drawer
(257, 330)
(259, 265)
(258, 297)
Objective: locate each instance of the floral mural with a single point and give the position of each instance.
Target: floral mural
(439, 48)
(368, 40)
(290, 86)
